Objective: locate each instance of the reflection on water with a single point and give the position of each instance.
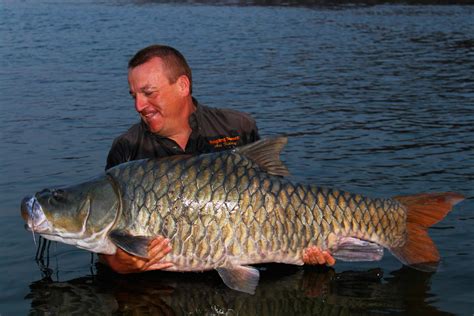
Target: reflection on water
(282, 290)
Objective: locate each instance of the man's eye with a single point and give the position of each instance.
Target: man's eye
(148, 93)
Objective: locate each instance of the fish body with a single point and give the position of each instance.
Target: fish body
(231, 209)
(220, 209)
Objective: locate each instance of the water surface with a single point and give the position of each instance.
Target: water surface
(377, 100)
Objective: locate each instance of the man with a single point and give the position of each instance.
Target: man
(173, 123)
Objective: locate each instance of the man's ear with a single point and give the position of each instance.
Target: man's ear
(184, 85)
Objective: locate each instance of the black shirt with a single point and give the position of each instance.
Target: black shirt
(212, 130)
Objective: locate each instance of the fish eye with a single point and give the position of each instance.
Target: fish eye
(59, 195)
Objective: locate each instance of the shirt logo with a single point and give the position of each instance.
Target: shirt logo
(225, 142)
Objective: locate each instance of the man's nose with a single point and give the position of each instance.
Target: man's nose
(140, 102)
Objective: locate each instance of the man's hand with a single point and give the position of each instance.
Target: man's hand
(123, 262)
(314, 255)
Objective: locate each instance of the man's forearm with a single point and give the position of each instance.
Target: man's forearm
(124, 263)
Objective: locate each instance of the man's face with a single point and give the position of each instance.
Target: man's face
(158, 101)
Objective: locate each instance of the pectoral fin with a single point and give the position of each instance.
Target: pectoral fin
(240, 278)
(354, 249)
(135, 245)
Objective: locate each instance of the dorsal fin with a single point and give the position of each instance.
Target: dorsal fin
(266, 153)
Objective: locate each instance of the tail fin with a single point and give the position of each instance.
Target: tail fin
(423, 210)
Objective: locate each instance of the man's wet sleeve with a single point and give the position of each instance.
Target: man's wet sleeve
(250, 130)
(118, 154)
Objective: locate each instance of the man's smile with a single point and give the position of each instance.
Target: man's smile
(148, 114)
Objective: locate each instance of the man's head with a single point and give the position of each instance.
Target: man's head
(176, 64)
(160, 82)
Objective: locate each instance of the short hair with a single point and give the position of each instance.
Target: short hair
(172, 58)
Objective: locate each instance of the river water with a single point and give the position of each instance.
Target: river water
(376, 99)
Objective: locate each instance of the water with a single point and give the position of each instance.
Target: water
(376, 99)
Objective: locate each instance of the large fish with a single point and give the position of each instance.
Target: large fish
(231, 209)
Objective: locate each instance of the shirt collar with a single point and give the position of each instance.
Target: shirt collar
(194, 117)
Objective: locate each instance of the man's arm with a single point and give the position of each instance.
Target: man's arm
(253, 135)
(249, 129)
(123, 262)
(118, 153)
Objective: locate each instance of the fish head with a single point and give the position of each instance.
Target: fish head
(80, 215)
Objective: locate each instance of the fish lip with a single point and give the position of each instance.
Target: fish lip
(25, 208)
(42, 228)
(33, 215)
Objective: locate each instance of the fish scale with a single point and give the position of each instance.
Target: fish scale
(225, 201)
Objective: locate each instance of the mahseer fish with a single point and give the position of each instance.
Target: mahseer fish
(231, 209)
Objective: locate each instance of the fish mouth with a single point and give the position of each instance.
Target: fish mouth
(33, 215)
